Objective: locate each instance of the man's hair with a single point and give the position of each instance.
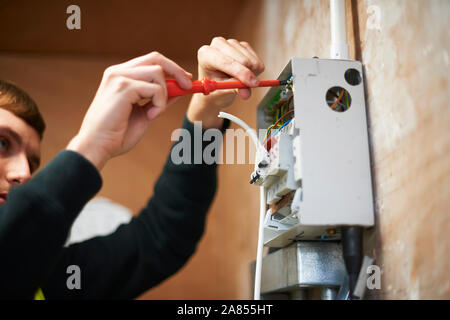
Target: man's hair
(17, 101)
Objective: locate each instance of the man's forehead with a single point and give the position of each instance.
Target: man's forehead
(18, 124)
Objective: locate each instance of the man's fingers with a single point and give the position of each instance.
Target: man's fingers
(244, 93)
(172, 100)
(260, 65)
(158, 96)
(182, 76)
(236, 45)
(234, 53)
(247, 46)
(150, 74)
(153, 73)
(213, 59)
(141, 90)
(153, 112)
(190, 76)
(256, 65)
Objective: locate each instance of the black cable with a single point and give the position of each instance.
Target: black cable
(352, 248)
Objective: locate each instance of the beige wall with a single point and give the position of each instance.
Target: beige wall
(407, 66)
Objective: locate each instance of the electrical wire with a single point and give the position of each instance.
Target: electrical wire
(268, 130)
(260, 246)
(276, 97)
(262, 194)
(262, 206)
(333, 106)
(284, 125)
(275, 124)
(289, 100)
(241, 123)
(346, 100)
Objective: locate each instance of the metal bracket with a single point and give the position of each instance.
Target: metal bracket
(303, 265)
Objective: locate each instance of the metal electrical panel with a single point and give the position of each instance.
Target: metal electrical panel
(320, 158)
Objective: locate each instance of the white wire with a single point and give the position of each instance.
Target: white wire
(260, 248)
(262, 206)
(250, 131)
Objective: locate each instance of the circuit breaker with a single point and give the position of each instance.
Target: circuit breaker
(315, 167)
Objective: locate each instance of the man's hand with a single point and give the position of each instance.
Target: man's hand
(116, 120)
(223, 60)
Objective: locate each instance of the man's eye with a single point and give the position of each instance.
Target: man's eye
(3, 144)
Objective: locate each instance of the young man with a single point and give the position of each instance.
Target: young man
(36, 214)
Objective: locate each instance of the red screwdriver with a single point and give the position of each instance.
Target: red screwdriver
(206, 86)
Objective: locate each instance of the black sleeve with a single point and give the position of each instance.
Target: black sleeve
(36, 219)
(155, 244)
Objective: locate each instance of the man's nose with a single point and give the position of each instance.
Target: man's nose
(18, 170)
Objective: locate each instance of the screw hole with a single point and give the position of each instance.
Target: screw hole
(353, 77)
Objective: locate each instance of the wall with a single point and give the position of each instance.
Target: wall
(405, 47)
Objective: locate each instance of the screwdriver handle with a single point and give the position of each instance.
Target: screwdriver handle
(206, 86)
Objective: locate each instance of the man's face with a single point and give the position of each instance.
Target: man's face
(19, 152)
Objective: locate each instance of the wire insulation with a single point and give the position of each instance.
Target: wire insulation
(241, 123)
(333, 106)
(275, 124)
(262, 206)
(284, 125)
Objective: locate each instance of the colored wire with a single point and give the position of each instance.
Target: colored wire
(268, 130)
(282, 117)
(284, 125)
(333, 106)
(277, 95)
(346, 99)
(280, 204)
(275, 124)
(289, 101)
(275, 98)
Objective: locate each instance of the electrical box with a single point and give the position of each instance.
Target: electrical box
(316, 171)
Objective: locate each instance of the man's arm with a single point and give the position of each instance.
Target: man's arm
(153, 246)
(36, 219)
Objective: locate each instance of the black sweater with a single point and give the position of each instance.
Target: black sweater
(36, 220)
